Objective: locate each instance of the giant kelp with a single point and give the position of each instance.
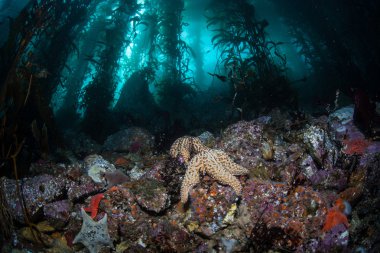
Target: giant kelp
(29, 73)
(339, 42)
(98, 95)
(175, 78)
(78, 63)
(136, 101)
(89, 51)
(254, 66)
(28, 77)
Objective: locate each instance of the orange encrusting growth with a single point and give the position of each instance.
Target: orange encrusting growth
(121, 162)
(355, 146)
(335, 216)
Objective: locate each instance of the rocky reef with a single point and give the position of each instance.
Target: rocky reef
(309, 186)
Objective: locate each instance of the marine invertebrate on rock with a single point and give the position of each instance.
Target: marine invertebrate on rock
(121, 162)
(343, 206)
(96, 165)
(94, 205)
(355, 146)
(267, 150)
(218, 165)
(336, 216)
(184, 146)
(93, 234)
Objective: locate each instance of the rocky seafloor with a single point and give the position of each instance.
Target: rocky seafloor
(313, 186)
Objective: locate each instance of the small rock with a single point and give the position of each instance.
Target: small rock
(335, 240)
(95, 166)
(207, 139)
(344, 115)
(166, 237)
(57, 213)
(115, 177)
(134, 140)
(81, 187)
(81, 144)
(151, 195)
(320, 147)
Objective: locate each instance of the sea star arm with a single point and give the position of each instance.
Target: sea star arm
(229, 165)
(94, 205)
(216, 171)
(197, 145)
(182, 147)
(191, 177)
(93, 234)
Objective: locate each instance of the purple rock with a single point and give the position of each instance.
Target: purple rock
(83, 186)
(320, 146)
(335, 178)
(242, 141)
(277, 213)
(172, 238)
(57, 213)
(335, 239)
(373, 148)
(330, 179)
(37, 192)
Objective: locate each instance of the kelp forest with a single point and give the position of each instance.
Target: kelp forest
(64, 66)
(98, 97)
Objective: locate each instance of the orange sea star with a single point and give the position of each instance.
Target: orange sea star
(94, 205)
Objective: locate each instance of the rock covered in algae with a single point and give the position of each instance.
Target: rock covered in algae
(36, 191)
(212, 207)
(281, 215)
(151, 195)
(320, 146)
(242, 141)
(134, 140)
(169, 237)
(80, 185)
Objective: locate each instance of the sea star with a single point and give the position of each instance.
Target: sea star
(94, 205)
(184, 146)
(218, 165)
(93, 234)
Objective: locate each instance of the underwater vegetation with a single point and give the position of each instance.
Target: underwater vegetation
(189, 126)
(256, 80)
